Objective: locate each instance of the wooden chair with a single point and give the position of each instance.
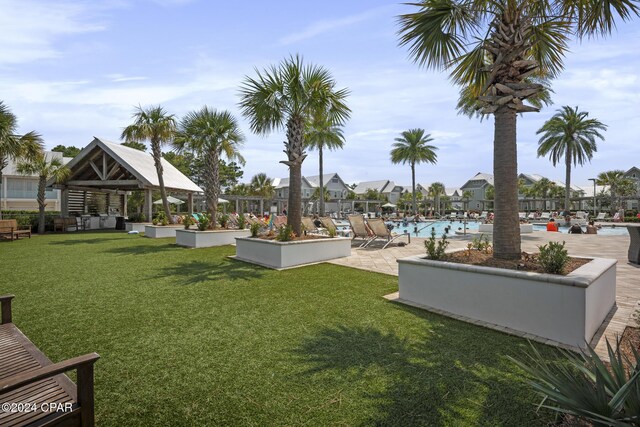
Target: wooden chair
(28, 377)
(380, 231)
(9, 227)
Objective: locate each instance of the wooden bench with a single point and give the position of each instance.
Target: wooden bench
(64, 224)
(9, 227)
(37, 390)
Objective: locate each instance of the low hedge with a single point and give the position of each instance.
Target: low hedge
(30, 218)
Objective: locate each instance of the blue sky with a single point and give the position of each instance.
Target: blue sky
(74, 69)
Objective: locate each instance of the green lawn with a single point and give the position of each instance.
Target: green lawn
(190, 337)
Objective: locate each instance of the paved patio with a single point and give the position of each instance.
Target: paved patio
(628, 275)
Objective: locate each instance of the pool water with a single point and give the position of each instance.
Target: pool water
(424, 228)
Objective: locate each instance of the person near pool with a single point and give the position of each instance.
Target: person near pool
(591, 228)
(551, 225)
(576, 229)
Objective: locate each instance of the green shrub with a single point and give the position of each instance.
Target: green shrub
(29, 219)
(332, 232)
(553, 257)
(205, 222)
(582, 384)
(242, 222)
(285, 233)
(436, 248)
(160, 219)
(223, 220)
(481, 244)
(137, 217)
(255, 229)
(187, 221)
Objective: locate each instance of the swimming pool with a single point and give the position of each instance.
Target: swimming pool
(424, 228)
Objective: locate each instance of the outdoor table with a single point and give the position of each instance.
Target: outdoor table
(634, 244)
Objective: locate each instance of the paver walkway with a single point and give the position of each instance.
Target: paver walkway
(628, 275)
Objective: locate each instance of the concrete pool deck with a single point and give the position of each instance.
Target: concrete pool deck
(628, 275)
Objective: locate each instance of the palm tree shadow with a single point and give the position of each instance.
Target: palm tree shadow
(427, 383)
(73, 242)
(142, 249)
(196, 272)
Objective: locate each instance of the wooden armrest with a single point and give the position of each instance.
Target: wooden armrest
(5, 303)
(16, 381)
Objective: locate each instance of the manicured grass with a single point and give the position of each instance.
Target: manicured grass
(190, 337)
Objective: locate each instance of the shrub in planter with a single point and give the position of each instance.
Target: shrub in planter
(205, 222)
(582, 385)
(285, 233)
(436, 248)
(187, 222)
(137, 217)
(553, 257)
(255, 229)
(223, 220)
(242, 222)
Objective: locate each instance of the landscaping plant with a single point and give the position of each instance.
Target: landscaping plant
(436, 248)
(584, 386)
(205, 222)
(255, 229)
(553, 257)
(187, 222)
(285, 233)
(242, 222)
(223, 220)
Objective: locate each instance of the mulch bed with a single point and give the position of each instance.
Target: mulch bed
(630, 339)
(527, 262)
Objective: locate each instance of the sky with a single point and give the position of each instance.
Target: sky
(71, 70)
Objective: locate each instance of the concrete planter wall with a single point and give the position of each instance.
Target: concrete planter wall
(205, 239)
(273, 254)
(488, 228)
(136, 226)
(566, 309)
(161, 231)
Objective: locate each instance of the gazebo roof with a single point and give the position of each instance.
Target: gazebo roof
(107, 165)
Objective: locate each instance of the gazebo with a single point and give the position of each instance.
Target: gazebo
(104, 172)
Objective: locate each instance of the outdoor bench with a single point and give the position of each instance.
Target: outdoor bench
(35, 391)
(9, 227)
(64, 224)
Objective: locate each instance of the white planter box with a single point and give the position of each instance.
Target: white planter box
(205, 239)
(274, 254)
(136, 226)
(565, 309)
(161, 231)
(488, 228)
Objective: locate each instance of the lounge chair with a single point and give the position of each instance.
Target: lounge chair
(602, 216)
(453, 216)
(483, 215)
(310, 227)
(532, 215)
(280, 221)
(380, 231)
(328, 224)
(545, 215)
(522, 215)
(359, 229)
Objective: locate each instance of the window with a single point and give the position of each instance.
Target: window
(335, 179)
(24, 188)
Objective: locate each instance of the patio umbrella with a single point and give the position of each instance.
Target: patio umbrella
(388, 205)
(170, 200)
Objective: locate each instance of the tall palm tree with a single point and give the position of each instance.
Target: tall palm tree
(322, 133)
(45, 169)
(12, 145)
(616, 181)
(436, 190)
(541, 188)
(155, 125)
(412, 147)
(289, 96)
(211, 134)
(492, 49)
(571, 135)
(466, 196)
(261, 185)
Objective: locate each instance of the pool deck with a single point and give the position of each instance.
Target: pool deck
(589, 245)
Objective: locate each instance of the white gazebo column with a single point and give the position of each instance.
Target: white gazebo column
(237, 206)
(261, 207)
(125, 206)
(64, 202)
(148, 203)
(190, 203)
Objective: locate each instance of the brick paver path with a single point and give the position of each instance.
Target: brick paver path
(628, 275)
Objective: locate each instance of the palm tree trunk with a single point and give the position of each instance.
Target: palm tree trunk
(157, 160)
(567, 182)
(42, 183)
(212, 191)
(506, 231)
(1, 167)
(321, 200)
(295, 154)
(413, 186)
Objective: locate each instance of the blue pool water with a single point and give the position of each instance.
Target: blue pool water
(424, 228)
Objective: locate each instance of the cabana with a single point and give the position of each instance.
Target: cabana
(103, 174)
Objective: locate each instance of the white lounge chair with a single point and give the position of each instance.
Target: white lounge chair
(545, 215)
(380, 231)
(602, 216)
(483, 215)
(359, 229)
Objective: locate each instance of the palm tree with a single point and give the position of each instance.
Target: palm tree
(466, 195)
(570, 134)
(12, 145)
(616, 181)
(158, 127)
(45, 170)
(412, 147)
(289, 96)
(494, 51)
(322, 133)
(261, 185)
(210, 134)
(436, 190)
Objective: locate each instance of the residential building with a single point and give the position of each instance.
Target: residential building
(455, 198)
(281, 186)
(387, 188)
(337, 188)
(19, 192)
(531, 179)
(478, 186)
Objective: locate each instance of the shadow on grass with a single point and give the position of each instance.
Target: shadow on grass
(195, 272)
(86, 241)
(454, 376)
(142, 249)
